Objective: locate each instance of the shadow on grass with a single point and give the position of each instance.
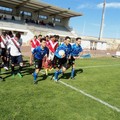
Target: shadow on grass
(67, 75)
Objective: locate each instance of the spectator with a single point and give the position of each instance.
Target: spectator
(13, 18)
(5, 17)
(1, 17)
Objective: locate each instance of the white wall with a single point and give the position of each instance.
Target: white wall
(85, 44)
(99, 45)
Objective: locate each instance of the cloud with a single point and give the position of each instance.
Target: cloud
(85, 6)
(110, 5)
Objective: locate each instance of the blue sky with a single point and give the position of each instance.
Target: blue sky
(89, 23)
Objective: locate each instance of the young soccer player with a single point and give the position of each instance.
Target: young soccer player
(61, 61)
(4, 49)
(75, 54)
(38, 54)
(15, 53)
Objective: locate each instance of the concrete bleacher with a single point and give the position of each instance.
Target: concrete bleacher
(13, 24)
(34, 28)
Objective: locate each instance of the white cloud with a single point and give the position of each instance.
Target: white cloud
(110, 5)
(85, 6)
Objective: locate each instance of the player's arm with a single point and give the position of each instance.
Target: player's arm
(32, 56)
(47, 52)
(31, 59)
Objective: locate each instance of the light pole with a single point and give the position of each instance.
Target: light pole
(102, 21)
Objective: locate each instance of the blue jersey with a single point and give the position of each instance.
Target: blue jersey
(76, 49)
(39, 53)
(66, 48)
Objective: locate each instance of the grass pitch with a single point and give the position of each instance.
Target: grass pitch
(20, 99)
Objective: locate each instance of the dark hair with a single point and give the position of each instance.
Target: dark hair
(57, 36)
(10, 33)
(67, 37)
(42, 39)
(78, 38)
(35, 36)
(40, 35)
(4, 33)
(18, 35)
(52, 36)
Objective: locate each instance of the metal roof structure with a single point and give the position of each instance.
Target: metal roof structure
(44, 7)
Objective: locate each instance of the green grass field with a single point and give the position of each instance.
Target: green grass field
(20, 99)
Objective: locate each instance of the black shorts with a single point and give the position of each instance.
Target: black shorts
(16, 59)
(71, 61)
(38, 63)
(59, 62)
(3, 52)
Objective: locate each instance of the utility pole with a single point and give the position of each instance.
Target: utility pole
(102, 21)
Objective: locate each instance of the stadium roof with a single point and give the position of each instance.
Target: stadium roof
(40, 6)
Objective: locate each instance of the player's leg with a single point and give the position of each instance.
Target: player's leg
(20, 62)
(38, 66)
(57, 65)
(13, 59)
(73, 68)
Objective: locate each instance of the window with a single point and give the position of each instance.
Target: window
(5, 9)
(26, 13)
(43, 17)
(56, 20)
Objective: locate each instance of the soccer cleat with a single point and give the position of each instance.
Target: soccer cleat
(6, 68)
(35, 82)
(13, 75)
(50, 69)
(19, 75)
(72, 78)
(2, 79)
(56, 80)
(46, 71)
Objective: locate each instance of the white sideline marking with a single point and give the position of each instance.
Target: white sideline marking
(99, 66)
(88, 95)
(92, 97)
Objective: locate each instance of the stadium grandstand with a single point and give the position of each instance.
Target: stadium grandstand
(31, 17)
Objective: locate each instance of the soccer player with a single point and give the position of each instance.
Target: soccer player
(75, 54)
(34, 43)
(52, 46)
(15, 53)
(0, 59)
(38, 54)
(61, 61)
(4, 49)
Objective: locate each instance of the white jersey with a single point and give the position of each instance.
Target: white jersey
(4, 42)
(13, 49)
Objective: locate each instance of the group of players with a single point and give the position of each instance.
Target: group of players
(10, 53)
(46, 52)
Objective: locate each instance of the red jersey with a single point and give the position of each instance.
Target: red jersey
(34, 43)
(52, 45)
